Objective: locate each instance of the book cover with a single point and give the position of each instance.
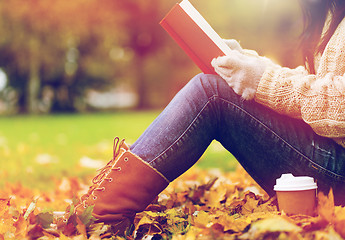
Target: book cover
(194, 35)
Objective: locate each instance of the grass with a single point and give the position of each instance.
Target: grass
(35, 150)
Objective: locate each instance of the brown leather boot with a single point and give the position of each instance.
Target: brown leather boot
(125, 186)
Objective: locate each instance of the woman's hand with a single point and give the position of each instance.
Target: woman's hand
(234, 45)
(242, 69)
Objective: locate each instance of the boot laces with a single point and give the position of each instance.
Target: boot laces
(103, 173)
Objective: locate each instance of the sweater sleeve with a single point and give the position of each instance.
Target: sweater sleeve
(317, 99)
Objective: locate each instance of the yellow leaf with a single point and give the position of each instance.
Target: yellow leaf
(63, 237)
(145, 220)
(202, 219)
(174, 217)
(215, 196)
(4, 204)
(151, 226)
(250, 205)
(191, 234)
(339, 213)
(81, 228)
(339, 227)
(339, 221)
(21, 227)
(153, 214)
(275, 224)
(327, 234)
(326, 206)
(6, 220)
(230, 224)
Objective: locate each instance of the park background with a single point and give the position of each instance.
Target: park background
(75, 74)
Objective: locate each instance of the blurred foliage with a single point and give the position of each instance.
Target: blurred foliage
(55, 51)
(271, 27)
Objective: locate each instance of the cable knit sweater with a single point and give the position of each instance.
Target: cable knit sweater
(317, 99)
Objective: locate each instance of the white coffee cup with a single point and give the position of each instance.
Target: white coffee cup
(296, 195)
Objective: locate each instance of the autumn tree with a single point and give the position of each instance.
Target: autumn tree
(57, 44)
(53, 51)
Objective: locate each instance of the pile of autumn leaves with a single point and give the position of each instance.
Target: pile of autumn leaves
(199, 205)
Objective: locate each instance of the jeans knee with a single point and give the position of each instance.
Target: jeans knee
(210, 83)
(207, 79)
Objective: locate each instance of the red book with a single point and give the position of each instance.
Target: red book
(194, 35)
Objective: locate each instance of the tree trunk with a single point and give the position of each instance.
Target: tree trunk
(34, 81)
(141, 85)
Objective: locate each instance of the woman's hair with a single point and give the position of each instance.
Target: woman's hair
(315, 14)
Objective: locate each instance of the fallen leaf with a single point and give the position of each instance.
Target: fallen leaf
(81, 228)
(35, 231)
(21, 228)
(201, 219)
(200, 205)
(30, 209)
(45, 219)
(326, 206)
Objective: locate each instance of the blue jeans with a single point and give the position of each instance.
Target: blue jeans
(265, 143)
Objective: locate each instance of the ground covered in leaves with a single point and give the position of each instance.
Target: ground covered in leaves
(202, 204)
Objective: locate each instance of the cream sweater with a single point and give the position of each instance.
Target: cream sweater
(317, 99)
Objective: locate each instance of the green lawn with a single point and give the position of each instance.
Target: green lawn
(35, 150)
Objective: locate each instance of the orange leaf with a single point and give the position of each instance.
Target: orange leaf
(21, 227)
(81, 228)
(326, 206)
(4, 204)
(229, 223)
(339, 213)
(202, 219)
(251, 203)
(339, 227)
(214, 197)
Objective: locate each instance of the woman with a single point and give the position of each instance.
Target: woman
(274, 120)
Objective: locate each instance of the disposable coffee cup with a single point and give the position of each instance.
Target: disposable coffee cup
(296, 195)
